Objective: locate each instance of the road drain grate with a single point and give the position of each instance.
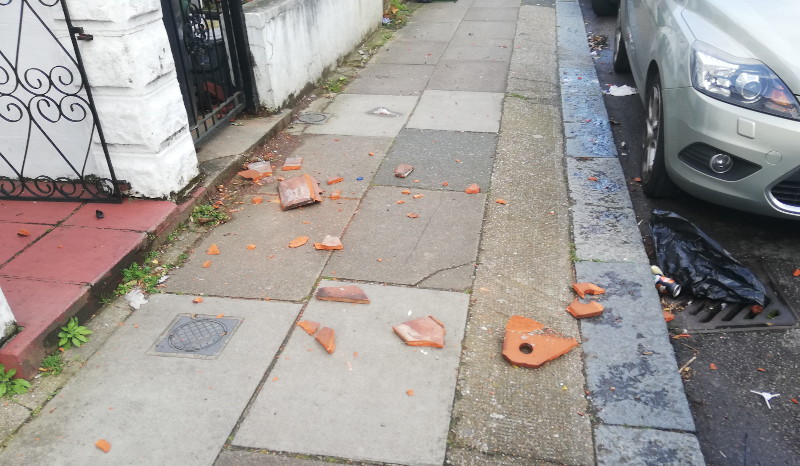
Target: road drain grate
(195, 336)
(704, 316)
(312, 118)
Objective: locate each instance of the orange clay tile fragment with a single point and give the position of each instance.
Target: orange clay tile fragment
(372, 154)
(473, 189)
(400, 202)
(250, 247)
(292, 163)
(418, 196)
(668, 316)
(329, 243)
(425, 331)
(405, 191)
(213, 250)
(299, 241)
(220, 316)
(309, 326)
(712, 366)
(445, 183)
(403, 170)
(581, 310)
(335, 179)
(796, 272)
(327, 338)
(23, 232)
(592, 178)
(501, 201)
(410, 392)
(637, 179)
(412, 215)
(336, 194)
(206, 264)
(587, 288)
(252, 174)
(257, 200)
(761, 369)
(103, 445)
(298, 191)
(343, 294)
(528, 343)
(197, 300)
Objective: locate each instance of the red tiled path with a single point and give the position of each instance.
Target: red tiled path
(50, 275)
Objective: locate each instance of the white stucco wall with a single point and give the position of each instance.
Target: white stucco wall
(7, 324)
(294, 41)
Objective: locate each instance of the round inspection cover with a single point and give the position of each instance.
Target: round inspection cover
(196, 335)
(312, 118)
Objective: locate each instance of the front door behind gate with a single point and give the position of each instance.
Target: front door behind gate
(209, 44)
(51, 143)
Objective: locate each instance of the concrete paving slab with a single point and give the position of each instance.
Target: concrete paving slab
(444, 237)
(604, 223)
(391, 79)
(458, 111)
(477, 31)
(434, 155)
(625, 445)
(264, 458)
(12, 416)
(597, 143)
(122, 392)
(273, 269)
(437, 32)
(477, 76)
(354, 403)
(238, 139)
(411, 52)
(351, 115)
(440, 13)
(579, 80)
(572, 47)
(487, 50)
(630, 365)
(492, 13)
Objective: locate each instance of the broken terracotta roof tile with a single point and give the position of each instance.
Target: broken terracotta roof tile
(335, 179)
(403, 170)
(292, 163)
(23, 232)
(252, 174)
(265, 168)
(327, 338)
(103, 445)
(336, 194)
(257, 200)
(299, 241)
(213, 250)
(581, 310)
(418, 196)
(473, 189)
(668, 316)
(299, 191)
(309, 326)
(405, 191)
(412, 215)
(528, 343)
(587, 288)
(330, 242)
(425, 331)
(344, 294)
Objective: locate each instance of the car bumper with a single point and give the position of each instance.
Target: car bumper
(771, 143)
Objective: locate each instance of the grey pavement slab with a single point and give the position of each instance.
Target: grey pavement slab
(272, 270)
(413, 251)
(440, 13)
(156, 409)
(478, 76)
(617, 445)
(572, 46)
(391, 79)
(354, 403)
(411, 52)
(238, 139)
(604, 223)
(352, 115)
(12, 415)
(631, 371)
(333, 155)
(487, 50)
(579, 80)
(586, 126)
(458, 158)
(492, 13)
(458, 111)
(438, 32)
(475, 31)
(265, 458)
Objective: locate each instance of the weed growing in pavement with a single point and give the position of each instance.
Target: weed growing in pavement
(335, 86)
(206, 214)
(10, 385)
(73, 334)
(52, 365)
(398, 13)
(144, 276)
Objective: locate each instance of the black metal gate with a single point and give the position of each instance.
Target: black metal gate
(51, 143)
(212, 60)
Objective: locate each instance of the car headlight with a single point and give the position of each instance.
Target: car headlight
(739, 81)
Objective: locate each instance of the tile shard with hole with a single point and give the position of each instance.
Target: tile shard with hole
(528, 343)
(581, 310)
(425, 331)
(327, 338)
(343, 294)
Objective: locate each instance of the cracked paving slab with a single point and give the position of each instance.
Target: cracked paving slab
(444, 238)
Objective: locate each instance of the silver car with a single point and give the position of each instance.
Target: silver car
(719, 80)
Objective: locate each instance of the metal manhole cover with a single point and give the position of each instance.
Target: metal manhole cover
(195, 336)
(313, 118)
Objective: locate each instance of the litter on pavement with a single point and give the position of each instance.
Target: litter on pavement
(621, 91)
(767, 396)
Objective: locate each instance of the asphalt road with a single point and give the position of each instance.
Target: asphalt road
(734, 425)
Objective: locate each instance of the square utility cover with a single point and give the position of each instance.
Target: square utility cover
(196, 335)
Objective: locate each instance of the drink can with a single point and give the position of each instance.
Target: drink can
(667, 286)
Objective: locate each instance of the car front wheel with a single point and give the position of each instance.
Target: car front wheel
(605, 7)
(655, 180)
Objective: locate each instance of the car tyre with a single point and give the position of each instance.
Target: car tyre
(605, 7)
(655, 180)
(620, 60)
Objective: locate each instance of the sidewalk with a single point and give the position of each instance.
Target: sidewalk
(476, 86)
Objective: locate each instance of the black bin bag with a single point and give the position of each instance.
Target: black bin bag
(699, 264)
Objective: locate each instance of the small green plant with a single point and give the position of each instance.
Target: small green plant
(335, 85)
(52, 365)
(206, 214)
(73, 334)
(9, 385)
(144, 276)
(398, 13)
